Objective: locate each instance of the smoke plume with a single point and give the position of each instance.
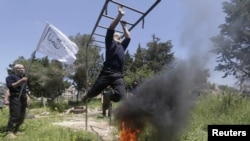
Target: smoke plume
(166, 100)
(163, 101)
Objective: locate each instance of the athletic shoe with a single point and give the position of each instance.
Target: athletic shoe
(11, 135)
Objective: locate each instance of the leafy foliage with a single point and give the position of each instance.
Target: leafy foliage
(87, 64)
(46, 78)
(50, 78)
(232, 45)
(222, 108)
(148, 61)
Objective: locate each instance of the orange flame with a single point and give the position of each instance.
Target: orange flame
(127, 133)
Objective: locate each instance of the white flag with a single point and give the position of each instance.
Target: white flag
(55, 44)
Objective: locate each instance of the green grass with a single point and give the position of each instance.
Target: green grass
(41, 129)
(222, 108)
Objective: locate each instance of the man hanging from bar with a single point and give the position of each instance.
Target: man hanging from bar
(112, 72)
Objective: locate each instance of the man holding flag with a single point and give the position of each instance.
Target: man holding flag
(18, 99)
(53, 43)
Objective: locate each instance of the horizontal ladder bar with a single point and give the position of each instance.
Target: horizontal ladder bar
(126, 6)
(114, 18)
(98, 41)
(99, 35)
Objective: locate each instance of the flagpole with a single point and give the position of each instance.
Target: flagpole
(28, 69)
(33, 57)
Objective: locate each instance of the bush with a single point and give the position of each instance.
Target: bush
(36, 104)
(222, 108)
(58, 106)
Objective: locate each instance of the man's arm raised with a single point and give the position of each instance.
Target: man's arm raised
(125, 29)
(118, 18)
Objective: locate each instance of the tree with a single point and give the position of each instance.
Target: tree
(159, 54)
(128, 61)
(46, 78)
(140, 67)
(232, 45)
(140, 58)
(148, 61)
(90, 55)
(55, 84)
(39, 78)
(79, 73)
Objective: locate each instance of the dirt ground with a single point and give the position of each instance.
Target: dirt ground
(95, 123)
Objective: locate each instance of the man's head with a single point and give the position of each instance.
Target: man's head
(117, 37)
(19, 69)
(135, 83)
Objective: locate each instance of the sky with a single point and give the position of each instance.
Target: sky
(187, 24)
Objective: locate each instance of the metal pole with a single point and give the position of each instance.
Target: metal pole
(28, 69)
(87, 88)
(142, 17)
(126, 6)
(33, 55)
(99, 18)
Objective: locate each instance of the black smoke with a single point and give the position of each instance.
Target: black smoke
(163, 101)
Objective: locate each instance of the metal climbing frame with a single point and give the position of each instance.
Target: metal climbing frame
(95, 33)
(104, 14)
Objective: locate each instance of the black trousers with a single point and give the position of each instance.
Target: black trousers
(105, 78)
(106, 105)
(17, 110)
